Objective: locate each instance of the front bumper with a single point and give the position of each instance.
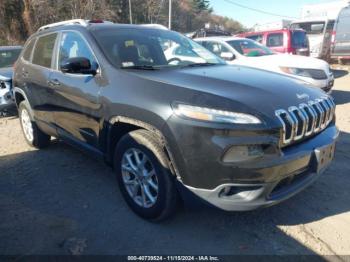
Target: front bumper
(244, 197)
(6, 96)
(325, 84)
(250, 185)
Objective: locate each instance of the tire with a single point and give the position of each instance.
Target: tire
(31, 132)
(143, 143)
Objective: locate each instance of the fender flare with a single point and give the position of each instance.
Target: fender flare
(127, 120)
(20, 91)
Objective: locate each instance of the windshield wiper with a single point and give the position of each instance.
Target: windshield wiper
(201, 64)
(140, 67)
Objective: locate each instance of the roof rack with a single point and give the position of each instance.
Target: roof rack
(156, 26)
(67, 22)
(81, 22)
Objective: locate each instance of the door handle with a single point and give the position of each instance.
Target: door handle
(53, 82)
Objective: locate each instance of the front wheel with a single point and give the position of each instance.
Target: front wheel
(144, 177)
(32, 134)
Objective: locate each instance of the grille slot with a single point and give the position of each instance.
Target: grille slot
(306, 119)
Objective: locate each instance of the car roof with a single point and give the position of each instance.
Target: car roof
(98, 26)
(5, 48)
(271, 31)
(220, 38)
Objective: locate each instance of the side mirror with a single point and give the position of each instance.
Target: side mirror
(77, 65)
(227, 56)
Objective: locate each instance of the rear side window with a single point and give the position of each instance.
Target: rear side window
(28, 50)
(43, 50)
(274, 40)
(258, 38)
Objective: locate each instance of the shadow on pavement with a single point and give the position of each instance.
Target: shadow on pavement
(341, 97)
(339, 73)
(57, 196)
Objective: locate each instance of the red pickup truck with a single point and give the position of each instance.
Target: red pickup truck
(282, 40)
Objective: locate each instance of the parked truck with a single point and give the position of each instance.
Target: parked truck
(318, 22)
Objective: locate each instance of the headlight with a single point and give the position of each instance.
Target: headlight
(213, 115)
(295, 71)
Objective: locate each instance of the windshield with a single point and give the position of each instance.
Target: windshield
(152, 48)
(312, 28)
(250, 48)
(8, 57)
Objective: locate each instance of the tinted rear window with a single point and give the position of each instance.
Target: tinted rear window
(43, 50)
(299, 39)
(8, 57)
(28, 50)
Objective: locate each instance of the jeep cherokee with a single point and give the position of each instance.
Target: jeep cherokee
(238, 137)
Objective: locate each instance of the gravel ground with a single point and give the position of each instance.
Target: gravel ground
(60, 201)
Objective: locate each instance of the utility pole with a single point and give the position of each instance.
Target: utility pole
(169, 25)
(130, 13)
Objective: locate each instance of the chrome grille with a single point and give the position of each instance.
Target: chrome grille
(306, 119)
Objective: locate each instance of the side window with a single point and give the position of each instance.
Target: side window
(28, 50)
(43, 50)
(343, 25)
(257, 38)
(73, 45)
(330, 25)
(202, 43)
(217, 48)
(274, 40)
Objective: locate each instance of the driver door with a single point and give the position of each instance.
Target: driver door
(78, 109)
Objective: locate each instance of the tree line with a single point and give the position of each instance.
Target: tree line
(20, 18)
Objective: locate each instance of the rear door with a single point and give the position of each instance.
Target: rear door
(78, 110)
(34, 75)
(342, 37)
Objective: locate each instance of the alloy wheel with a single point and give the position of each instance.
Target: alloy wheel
(139, 177)
(27, 125)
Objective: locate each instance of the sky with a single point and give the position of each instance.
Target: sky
(249, 18)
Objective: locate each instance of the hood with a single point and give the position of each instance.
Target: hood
(273, 62)
(6, 73)
(251, 88)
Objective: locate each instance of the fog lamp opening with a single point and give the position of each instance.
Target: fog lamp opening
(242, 153)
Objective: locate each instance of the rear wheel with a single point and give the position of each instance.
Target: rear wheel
(32, 134)
(144, 177)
